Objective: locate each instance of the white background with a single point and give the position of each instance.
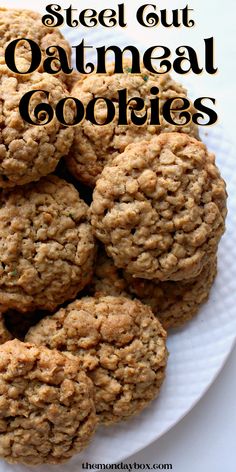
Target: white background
(205, 439)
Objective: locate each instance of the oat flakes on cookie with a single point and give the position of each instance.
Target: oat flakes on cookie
(174, 303)
(160, 208)
(47, 248)
(29, 152)
(47, 411)
(94, 146)
(15, 24)
(121, 346)
(19, 325)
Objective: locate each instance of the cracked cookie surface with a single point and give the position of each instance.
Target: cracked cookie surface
(28, 152)
(159, 208)
(174, 303)
(121, 346)
(15, 24)
(107, 278)
(47, 247)
(94, 146)
(47, 411)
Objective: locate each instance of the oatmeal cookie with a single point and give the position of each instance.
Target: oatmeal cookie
(47, 248)
(94, 146)
(15, 24)
(47, 411)
(5, 335)
(107, 279)
(121, 346)
(28, 152)
(160, 208)
(174, 303)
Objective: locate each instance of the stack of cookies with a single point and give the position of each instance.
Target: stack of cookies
(159, 202)
(89, 282)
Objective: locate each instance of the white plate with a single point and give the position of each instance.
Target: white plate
(197, 352)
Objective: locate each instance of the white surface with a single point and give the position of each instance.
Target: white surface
(205, 439)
